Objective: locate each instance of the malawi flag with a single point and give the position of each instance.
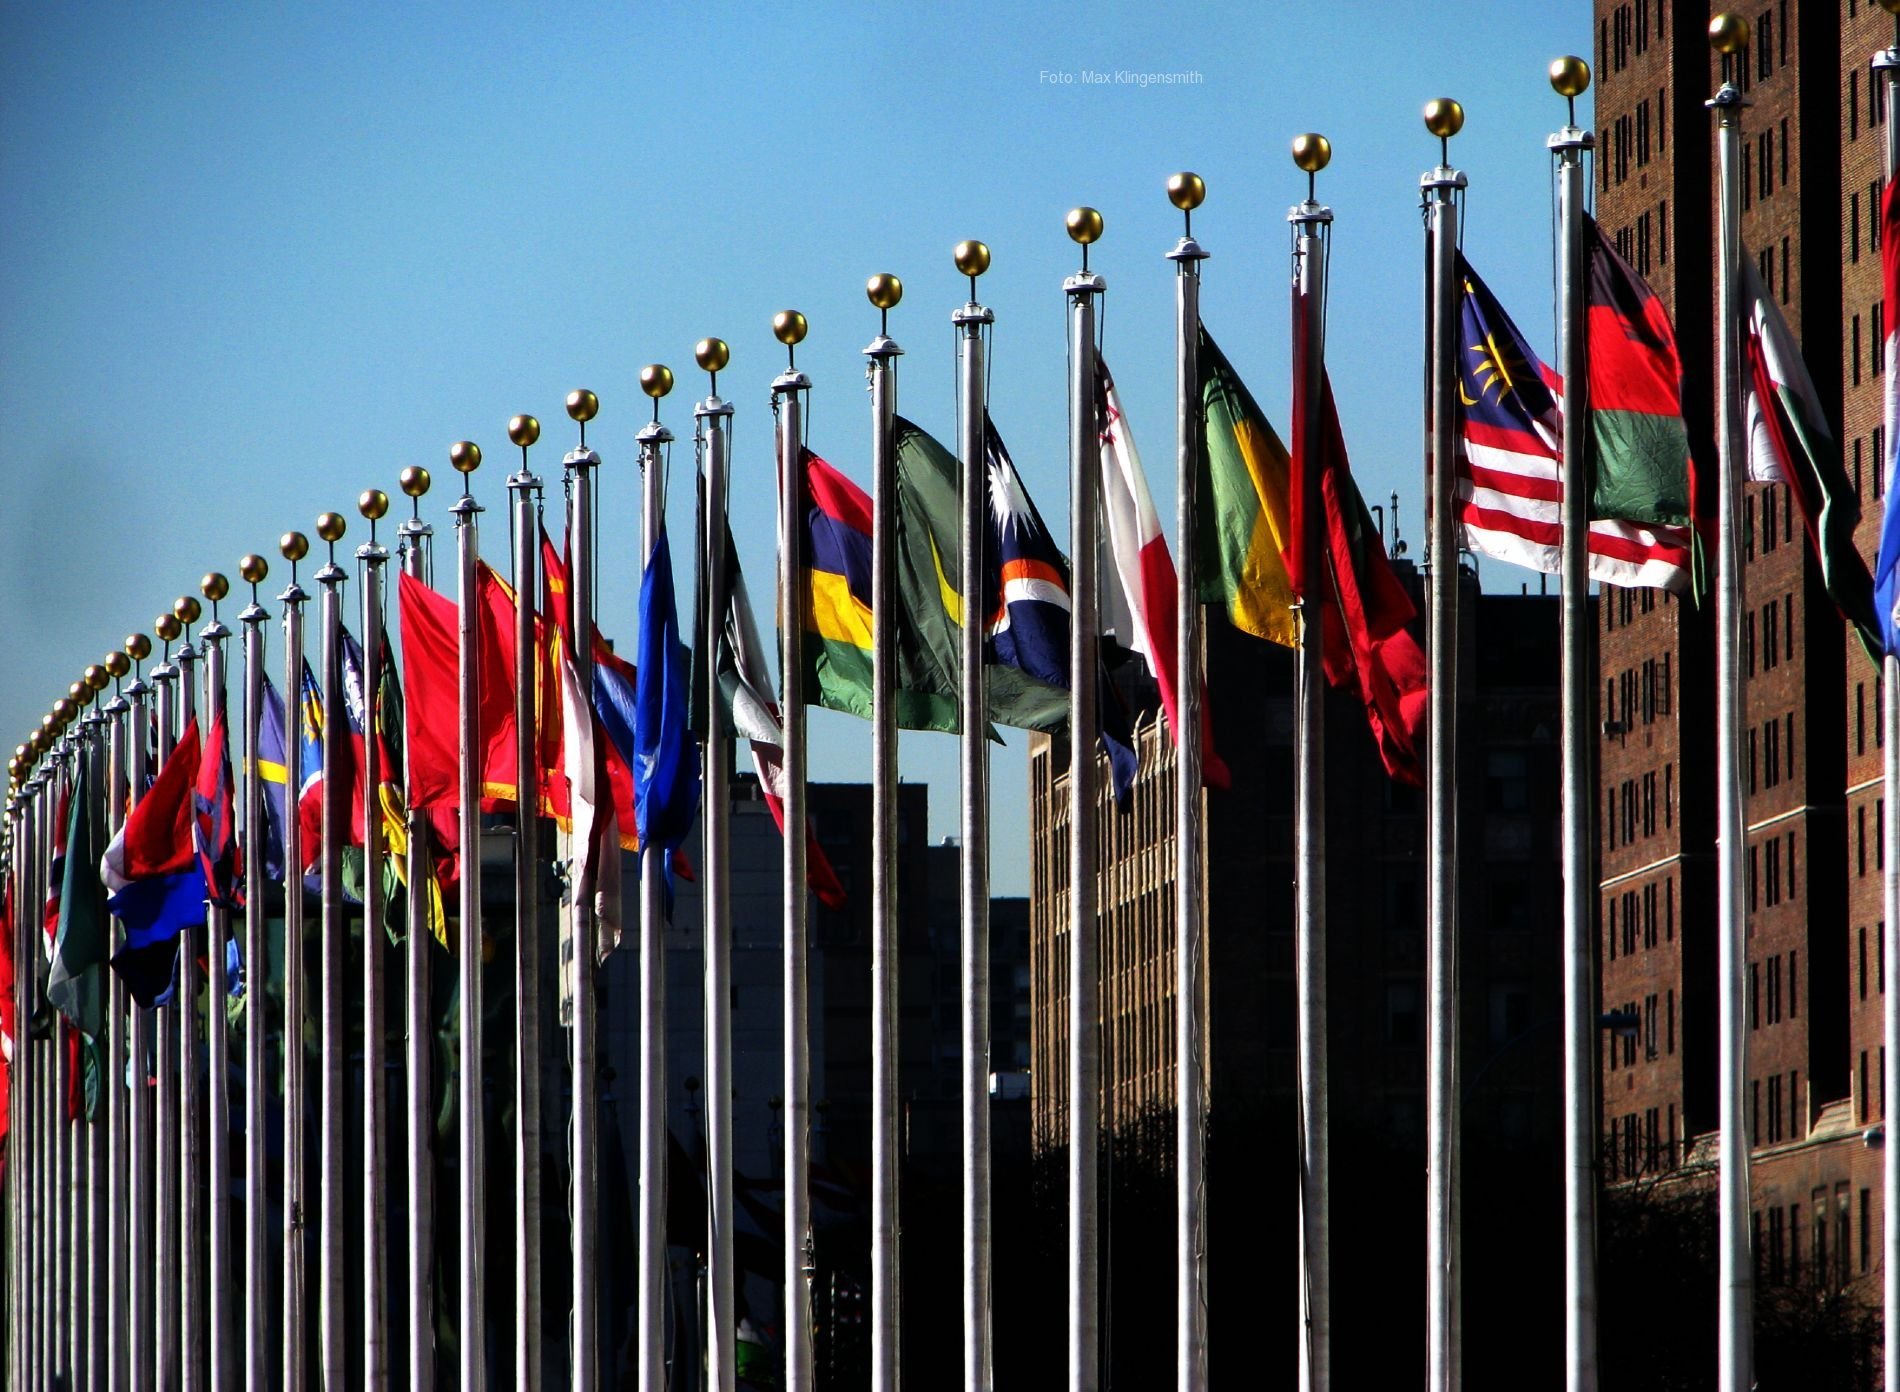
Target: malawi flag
(1887, 567)
(1789, 442)
(1639, 444)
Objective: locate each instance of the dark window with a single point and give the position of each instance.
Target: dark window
(1853, 228)
(1764, 45)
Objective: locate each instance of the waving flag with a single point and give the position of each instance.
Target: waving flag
(1887, 566)
(1510, 479)
(214, 819)
(56, 875)
(665, 769)
(152, 870)
(273, 768)
(81, 944)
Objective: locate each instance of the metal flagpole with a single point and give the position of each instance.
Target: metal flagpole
(471, 1301)
(1443, 188)
(59, 1307)
(973, 866)
(1886, 70)
(1735, 1356)
(167, 1275)
(95, 1128)
(1186, 191)
(1571, 78)
(583, 934)
(294, 546)
(1085, 1061)
(141, 1346)
(191, 1311)
(373, 504)
(714, 418)
(18, 1123)
(885, 292)
(333, 1348)
(525, 491)
(223, 1294)
(256, 972)
(52, 1097)
(413, 540)
(656, 381)
(789, 327)
(117, 1099)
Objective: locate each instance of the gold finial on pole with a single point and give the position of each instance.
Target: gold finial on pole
(789, 327)
(373, 503)
(214, 587)
(712, 355)
(252, 569)
(414, 482)
(1187, 191)
(885, 291)
(524, 431)
(187, 608)
(1085, 229)
(1312, 152)
(96, 677)
(656, 380)
(138, 647)
(1729, 35)
(167, 627)
(582, 406)
(117, 664)
(1444, 118)
(293, 546)
(1570, 79)
(972, 258)
(330, 529)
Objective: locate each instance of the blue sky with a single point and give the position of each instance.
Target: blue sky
(258, 258)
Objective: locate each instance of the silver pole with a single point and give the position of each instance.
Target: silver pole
(1886, 67)
(117, 1094)
(886, 960)
(223, 1295)
(1085, 1061)
(19, 1101)
(97, 1129)
(191, 1234)
(168, 1276)
(141, 1350)
(525, 491)
(419, 1033)
(800, 1261)
(296, 1185)
(256, 975)
(372, 555)
(1443, 187)
(471, 1296)
(650, 1232)
(52, 1089)
(973, 865)
(715, 419)
(1579, 681)
(1735, 1356)
(584, 1122)
(333, 1348)
(1190, 971)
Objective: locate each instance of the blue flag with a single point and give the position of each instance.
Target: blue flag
(665, 771)
(272, 764)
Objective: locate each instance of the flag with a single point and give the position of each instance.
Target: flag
(595, 876)
(665, 772)
(1642, 470)
(431, 671)
(151, 868)
(214, 819)
(82, 942)
(1789, 442)
(7, 1022)
(1139, 605)
(1509, 497)
(272, 760)
(750, 711)
(836, 649)
(1887, 564)
(56, 871)
(1245, 506)
(310, 797)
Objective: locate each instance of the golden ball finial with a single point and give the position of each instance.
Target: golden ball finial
(293, 546)
(331, 526)
(789, 327)
(1728, 33)
(1444, 117)
(97, 677)
(1570, 75)
(187, 608)
(712, 354)
(48, 724)
(166, 626)
(884, 290)
(214, 586)
(62, 713)
(373, 503)
(582, 405)
(137, 646)
(1085, 226)
(253, 568)
(79, 693)
(1312, 152)
(656, 380)
(972, 258)
(414, 481)
(465, 456)
(117, 664)
(1186, 190)
(523, 430)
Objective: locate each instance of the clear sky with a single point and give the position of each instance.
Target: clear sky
(260, 257)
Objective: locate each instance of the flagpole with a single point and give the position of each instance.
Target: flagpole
(333, 1346)
(524, 488)
(1728, 34)
(19, 1123)
(191, 1313)
(50, 1076)
(167, 1274)
(789, 327)
(413, 541)
(1571, 78)
(117, 1099)
(294, 546)
(471, 1301)
(214, 587)
(61, 1130)
(1443, 188)
(1186, 191)
(714, 418)
(973, 872)
(256, 1378)
(96, 1128)
(1085, 1062)
(885, 292)
(141, 1347)
(373, 504)
(1886, 70)
(650, 1294)
(583, 934)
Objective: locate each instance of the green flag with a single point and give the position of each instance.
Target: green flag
(80, 945)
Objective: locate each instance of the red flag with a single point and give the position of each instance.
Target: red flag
(214, 819)
(431, 648)
(157, 837)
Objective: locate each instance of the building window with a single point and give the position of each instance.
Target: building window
(1770, 537)
(1773, 974)
(1876, 337)
(1860, 1101)
(1859, 496)
(1754, 1112)
(1765, 163)
(1764, 45)
(1662, 223)
(1754, 995)
(1866, 1231)
(1853, 103)
(1771, 872)
(1669, 1020)
(1791, 889)
(1786, 259)
(1856, 352)
(1777, 1245)
(1861, 973)
(1853, 229)
(1774, 1109)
